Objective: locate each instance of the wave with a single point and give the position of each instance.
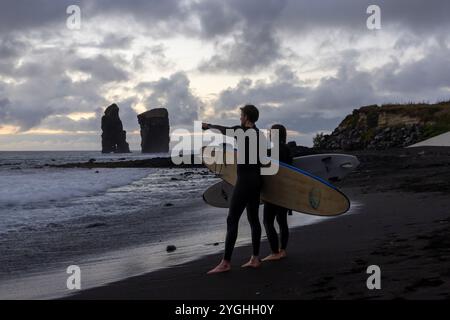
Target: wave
(32, 186)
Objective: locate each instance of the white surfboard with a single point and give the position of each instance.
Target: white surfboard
(331, 167)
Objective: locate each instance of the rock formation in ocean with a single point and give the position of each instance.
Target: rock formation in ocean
(388, 126)
(155, 131)
(113, 136)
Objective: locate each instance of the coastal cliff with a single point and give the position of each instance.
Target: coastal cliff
(389, 126)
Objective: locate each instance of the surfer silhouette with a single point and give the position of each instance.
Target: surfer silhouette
(272, 211)
(246, 193)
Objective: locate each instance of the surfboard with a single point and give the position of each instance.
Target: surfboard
(219, 195)
(291, 187)
(331, 167)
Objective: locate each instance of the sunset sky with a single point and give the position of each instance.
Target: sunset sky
(305, 64)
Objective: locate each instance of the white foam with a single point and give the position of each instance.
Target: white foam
(442, 140)
(31, 186)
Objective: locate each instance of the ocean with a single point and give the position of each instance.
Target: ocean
(112, 223)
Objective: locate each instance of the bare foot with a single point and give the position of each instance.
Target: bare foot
(283, 254)
(223, 266)
(254, 262)
(273, 257)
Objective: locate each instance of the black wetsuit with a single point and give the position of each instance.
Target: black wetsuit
(246, 195)
(272, 211)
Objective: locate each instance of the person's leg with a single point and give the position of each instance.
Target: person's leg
(284, 230)
(237, 206)
(272, 236)
(255, 225)
(269, 220)
(253, 219)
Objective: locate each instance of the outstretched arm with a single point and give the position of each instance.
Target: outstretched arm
(222, 129)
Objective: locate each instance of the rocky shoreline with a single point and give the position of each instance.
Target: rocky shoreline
(161, 162)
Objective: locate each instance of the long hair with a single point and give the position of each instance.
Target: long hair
(282, 132)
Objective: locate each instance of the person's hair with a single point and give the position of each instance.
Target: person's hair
(251, 112)
(282, 132)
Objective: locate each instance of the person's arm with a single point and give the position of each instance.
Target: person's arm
(221, 129)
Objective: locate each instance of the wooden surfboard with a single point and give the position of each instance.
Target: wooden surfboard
(331, 167)
(291, 187)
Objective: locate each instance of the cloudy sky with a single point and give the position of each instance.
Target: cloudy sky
(305, 64)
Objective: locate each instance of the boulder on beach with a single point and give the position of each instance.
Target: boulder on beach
(113, 136)
(155, 131)
(171, 248)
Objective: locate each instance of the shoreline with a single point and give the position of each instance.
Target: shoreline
(127, 254)
(114, 262)
(331, 266)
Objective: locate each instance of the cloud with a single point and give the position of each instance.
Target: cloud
(308, 108)
(101, 68)
(173, 93)
(4, 110)
(115, 41)
(10, 47)
(430, 74)
(246, 52)
(306, 64)
(253, 43)
(303, 16)
(285, 87)
(10, 50)
(216, 18)
(45, 88)
(154, 55)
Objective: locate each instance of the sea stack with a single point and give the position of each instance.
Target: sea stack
(155, 130)
(113, 136)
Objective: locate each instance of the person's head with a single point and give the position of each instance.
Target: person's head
(249, 115)
(282, 132)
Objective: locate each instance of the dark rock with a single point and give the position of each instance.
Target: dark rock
(113, 136)
(171, 248)
(155, 131)
(168, 205)
(92, 160)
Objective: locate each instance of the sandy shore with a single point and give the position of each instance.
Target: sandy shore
(404, 228)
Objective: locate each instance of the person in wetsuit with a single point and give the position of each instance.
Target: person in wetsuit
(246, 193)
(272, 211)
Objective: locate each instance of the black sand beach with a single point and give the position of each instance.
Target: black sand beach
(403, 227)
